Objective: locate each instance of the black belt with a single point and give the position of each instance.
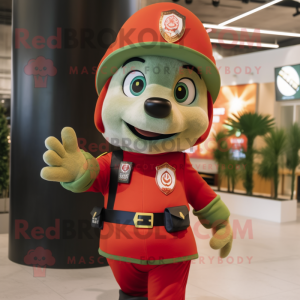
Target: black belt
(138, 219)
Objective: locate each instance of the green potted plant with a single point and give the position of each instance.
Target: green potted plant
(272, 157)
(221, 151)
(292, 153)
(251, 125)
(232, 170)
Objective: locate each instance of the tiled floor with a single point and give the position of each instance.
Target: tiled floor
(265, 267)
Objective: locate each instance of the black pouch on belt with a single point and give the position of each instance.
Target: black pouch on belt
(177, 218)
(97, 217)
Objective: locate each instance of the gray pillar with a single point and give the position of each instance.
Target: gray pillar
(57, 46)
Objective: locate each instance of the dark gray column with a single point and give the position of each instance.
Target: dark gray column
(57, 46)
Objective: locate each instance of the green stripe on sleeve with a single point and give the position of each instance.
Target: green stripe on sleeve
(213, 214)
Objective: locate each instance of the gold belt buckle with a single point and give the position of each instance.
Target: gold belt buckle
(136, 220)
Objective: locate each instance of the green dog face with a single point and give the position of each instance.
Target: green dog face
(154, 105)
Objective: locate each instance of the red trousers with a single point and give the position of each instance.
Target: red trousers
(159, 282)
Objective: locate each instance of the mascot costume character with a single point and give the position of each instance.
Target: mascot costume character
(156, 84)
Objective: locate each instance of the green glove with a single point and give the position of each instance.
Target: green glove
(215, 215)
(222, 238)
(67, 163)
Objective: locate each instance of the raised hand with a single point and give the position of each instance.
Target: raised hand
(66, 162)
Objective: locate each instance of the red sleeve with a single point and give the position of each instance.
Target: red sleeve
(198, 192)
(100, 185)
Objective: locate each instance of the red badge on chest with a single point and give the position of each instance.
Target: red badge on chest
(165, 178)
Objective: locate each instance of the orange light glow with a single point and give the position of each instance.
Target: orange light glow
(231, 100)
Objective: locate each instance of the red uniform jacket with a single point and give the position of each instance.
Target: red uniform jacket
(142, 194)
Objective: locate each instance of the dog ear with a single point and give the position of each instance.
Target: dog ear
(210, 111)
(99, 105)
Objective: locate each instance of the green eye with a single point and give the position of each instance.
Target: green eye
(181, 92)
(134, 84)
(185, 91)
(137, 85)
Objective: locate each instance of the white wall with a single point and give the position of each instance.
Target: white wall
(259, 208)
(260, 64)
(4, 223)
(208, 166)
(4, 207)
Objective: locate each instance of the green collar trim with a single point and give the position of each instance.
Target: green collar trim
(148, 262)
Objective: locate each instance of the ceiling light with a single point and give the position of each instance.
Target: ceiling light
(262, 31)
(215, 3)
(244, 43)
(250, 12)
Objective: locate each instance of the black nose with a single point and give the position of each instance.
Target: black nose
(157, 107)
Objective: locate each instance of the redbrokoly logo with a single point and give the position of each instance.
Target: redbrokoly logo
(39, 258)
(40, 68)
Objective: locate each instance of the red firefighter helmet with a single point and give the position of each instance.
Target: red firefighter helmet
(162, 29)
